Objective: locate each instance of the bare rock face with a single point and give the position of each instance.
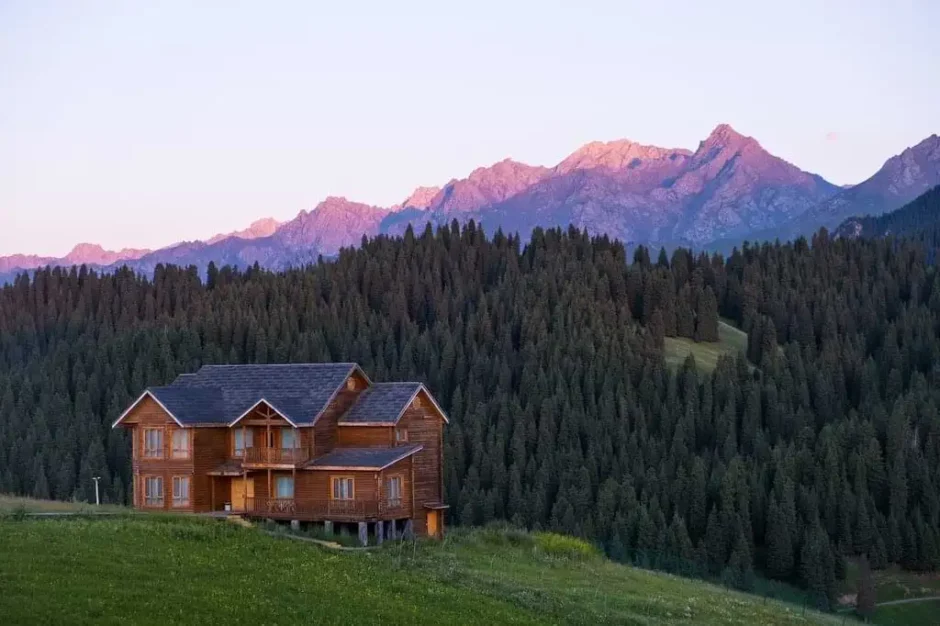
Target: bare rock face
(485, 186)
(729, 185)
(333, 224)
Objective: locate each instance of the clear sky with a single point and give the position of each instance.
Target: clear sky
(144, 123)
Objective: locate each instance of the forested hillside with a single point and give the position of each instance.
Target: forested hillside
(548, 359)
(919, 220)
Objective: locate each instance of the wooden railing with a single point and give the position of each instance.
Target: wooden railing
(338, 510)
(276, 456)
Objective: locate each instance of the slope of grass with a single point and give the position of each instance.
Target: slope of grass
(896, 584)
(161, 569)
(730, 341)
(914, 614)
(16, 504)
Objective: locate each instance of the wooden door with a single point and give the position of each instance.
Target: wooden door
(432, 523)
(242, 488)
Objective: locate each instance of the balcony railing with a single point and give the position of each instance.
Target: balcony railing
(337, 510)
(275, 456)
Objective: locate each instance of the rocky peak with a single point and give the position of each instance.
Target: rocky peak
(265, 227)
(487, 185)
(617, 155)
(420, 198)
(94, 254)
(85, 252)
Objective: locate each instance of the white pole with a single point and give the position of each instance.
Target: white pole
(97, 499)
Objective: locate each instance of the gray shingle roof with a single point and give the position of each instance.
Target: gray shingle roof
(220, 394)
(366, 458)
(383, 403)
(193, 405)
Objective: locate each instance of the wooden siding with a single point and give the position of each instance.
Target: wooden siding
(148, 414)
(404, 469)
(210, 449)
(425, 426)
(366, 436)
(325, 431)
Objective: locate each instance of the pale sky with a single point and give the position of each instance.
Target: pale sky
(138, 124)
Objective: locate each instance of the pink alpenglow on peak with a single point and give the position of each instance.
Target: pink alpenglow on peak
(265, 227)
(420, 198)
(93, 254)
(617, 155)
(485, 186)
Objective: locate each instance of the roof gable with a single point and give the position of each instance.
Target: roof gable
(381, 404)
(220, 395)
(384, 404)
(146, 394)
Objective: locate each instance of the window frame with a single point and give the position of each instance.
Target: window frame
(159, 451)
(334, 480)
(277, 489)
(150, 501)
(295, 435)
(178, 501)
(401, 489)
(248, 442)
(181, 453)
(401, 435)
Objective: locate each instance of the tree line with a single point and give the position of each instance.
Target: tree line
(820, 443)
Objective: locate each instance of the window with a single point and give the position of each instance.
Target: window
(153, 491)
(401, 435)
(181, 491)
(288, 437)
(343, 489)
(284, 486)
(243, 439)
(393, 490)
(153, 443)
(180, 444)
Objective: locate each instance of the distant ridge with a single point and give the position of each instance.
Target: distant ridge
(725, 191)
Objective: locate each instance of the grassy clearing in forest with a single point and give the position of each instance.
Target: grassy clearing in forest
(896, 584)
(730, 341)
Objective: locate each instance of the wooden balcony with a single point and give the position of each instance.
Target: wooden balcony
(334, 510)
(262, 457)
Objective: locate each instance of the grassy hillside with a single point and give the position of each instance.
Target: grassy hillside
(730, 341)
(161, 569)
(895, 584)
(16, 504)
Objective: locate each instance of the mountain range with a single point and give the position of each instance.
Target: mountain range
(725, 191)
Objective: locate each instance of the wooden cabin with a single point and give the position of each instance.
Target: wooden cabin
(311, 442)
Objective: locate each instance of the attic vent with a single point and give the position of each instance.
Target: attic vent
(351, 384)
(419, 402)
